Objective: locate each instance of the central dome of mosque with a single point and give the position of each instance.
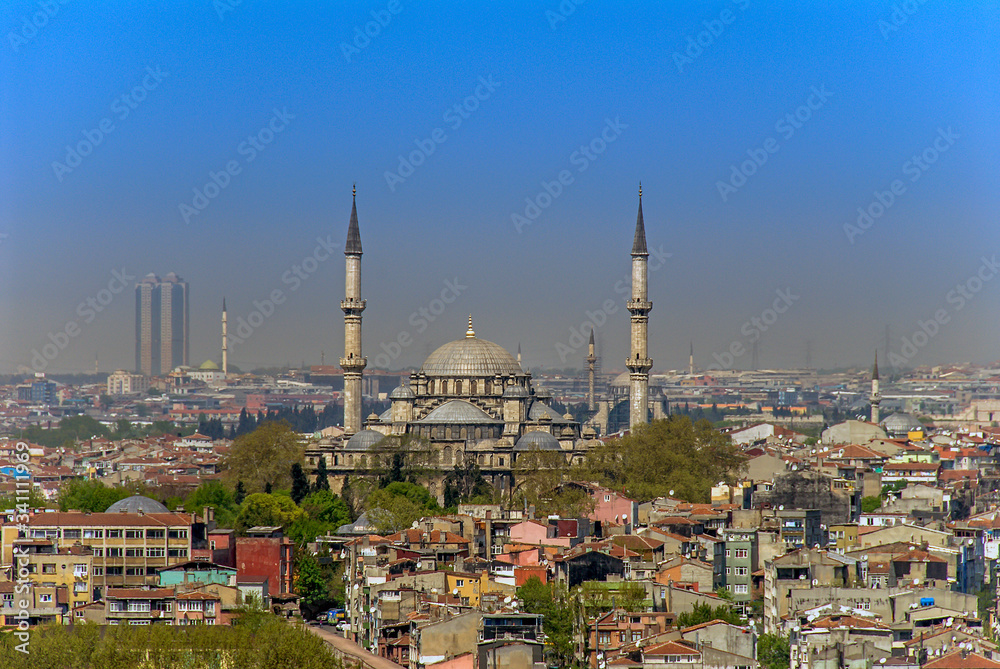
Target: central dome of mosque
(471, 356)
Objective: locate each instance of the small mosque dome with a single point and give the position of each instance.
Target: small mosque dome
(402, 392)
(208, 365)
(537, 441)
(363, 440)
(135, 504)
(512, 392)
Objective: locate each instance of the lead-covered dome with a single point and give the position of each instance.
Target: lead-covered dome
(363, 440)
(471, 357)
(536, 440)
(135, 504)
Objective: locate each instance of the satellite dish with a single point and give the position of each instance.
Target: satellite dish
(671, 493)
(781, 507)
(455, 591)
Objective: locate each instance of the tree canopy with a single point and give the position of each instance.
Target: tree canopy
(265, 456)
(668, 454)
(93, 496)
(267, 510)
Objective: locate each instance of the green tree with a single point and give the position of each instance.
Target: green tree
(217, 496)
(669, 454)
(309, 582)
(396, 506)
(267, 510)
(327, 508)
(703, 613)
(262, 457)
(773, 651)
(240, 493)
(300, 483)
(871, 504)
(93, 496)
(559, 615)
(322, 482)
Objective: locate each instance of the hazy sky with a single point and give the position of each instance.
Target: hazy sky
(114, 114)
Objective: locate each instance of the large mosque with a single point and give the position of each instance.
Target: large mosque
(471, 400)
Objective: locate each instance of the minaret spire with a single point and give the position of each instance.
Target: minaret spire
(353, 363)
(639, 363)
(225, 342)
(691, 361)
(876, 397)
(591, 359)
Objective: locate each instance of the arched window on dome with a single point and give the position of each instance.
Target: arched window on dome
(472, 387)
(458, 386)
(463, 433)
(479, 433)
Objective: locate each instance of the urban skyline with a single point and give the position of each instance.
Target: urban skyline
(852, 175)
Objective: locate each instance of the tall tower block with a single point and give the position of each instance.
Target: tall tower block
(639, 362)
(353, 363)
(876, 397)
(591, 359)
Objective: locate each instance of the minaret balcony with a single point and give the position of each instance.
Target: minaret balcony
(639, 365)
(639, 306)
(353, 364)
(351, 305)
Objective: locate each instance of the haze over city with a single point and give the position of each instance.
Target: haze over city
(497, 152)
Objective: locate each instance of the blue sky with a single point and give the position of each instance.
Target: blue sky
(684, 93)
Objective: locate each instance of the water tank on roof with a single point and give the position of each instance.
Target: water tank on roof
(926, 601)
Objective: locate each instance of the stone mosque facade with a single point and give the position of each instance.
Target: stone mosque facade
(470, 400)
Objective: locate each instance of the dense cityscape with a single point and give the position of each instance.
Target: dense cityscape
(560, 335)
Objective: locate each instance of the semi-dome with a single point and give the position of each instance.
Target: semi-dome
(515, 391)
(135, 504)
(402, 392)
(363, 440)
(471, 356)
(459, 412)
(537, 441)
(901, 423)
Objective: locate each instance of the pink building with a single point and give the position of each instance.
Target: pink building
(610, 506)
(536, 534)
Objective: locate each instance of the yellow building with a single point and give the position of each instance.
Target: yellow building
(127, 547)
(470, 587)
(845, 535)
(51, 569)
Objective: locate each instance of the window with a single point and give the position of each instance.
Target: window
(211, 544)
(728, 570)
(116, 606)
(133, 552)
(607, 498)
(742, 553)
(177, 534)
(71, 534)
(98, 552)
(49, 568)
(79, 614)
(209, 621)
(728, 553)
(460, 583)
(134, 571)
(138, 605)
(740, 589)
(98, 571)
(155, 552)
(210, 608)
(741, 571)
(79, 570)
(45, 598)
(114, 552)
(115, 571)
(133, 534)
(605, 637)
(154, 534)
(93, 534)
(114, 534)
(177, 552)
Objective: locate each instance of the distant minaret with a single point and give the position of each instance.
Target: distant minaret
(352, 305)
(639, 363)
(591, 359)
(225, 342)
(95, 364)
(691, 361)
(518, 343)
(876, 397)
